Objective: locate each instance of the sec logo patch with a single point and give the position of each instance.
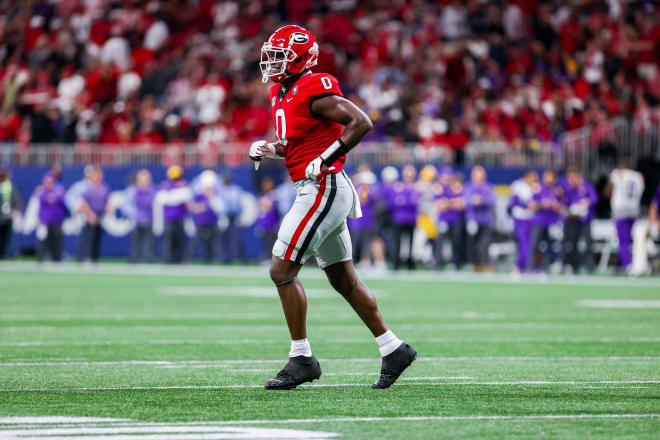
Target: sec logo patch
(272, 102)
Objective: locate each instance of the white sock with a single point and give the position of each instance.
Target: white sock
(387, 343)
(300, 347)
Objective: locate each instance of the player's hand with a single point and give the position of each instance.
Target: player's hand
(261, 149)
(316, 168)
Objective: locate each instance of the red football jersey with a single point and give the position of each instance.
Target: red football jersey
(303, 135)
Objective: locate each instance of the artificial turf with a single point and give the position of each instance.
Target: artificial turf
(498, 358)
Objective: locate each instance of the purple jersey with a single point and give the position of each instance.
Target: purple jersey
(545, 215)
(368, 197)
(479, 203)
(173, 213)
(451, 192)
(96, 197)
(573, 196)
(403, 200)
(269, 214)
(52, 210)
(207, 215)
(143, 199)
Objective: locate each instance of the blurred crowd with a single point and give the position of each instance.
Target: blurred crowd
(435, 72)
(403, 211)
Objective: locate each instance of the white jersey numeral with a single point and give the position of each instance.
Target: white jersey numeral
(280, 126)
(326, 82)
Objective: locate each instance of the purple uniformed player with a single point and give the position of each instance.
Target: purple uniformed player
(479, 197)
(206, 206)
(403, 200)
(522, 210)
(451, 217)
(177, 194)
(93, 205)
(140, 199)
(268, 221)
(579, 198)
(547, 218)
(625, 187)
(367, 244)
(52, 212)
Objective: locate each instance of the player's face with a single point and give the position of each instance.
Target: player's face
(273, 62)
(478, 175)
(549, 178)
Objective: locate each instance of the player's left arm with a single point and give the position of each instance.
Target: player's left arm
(356, 125)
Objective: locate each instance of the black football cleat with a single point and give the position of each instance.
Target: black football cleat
(393, 365)
(298, 370)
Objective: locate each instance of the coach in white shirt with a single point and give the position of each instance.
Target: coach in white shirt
(626, 187)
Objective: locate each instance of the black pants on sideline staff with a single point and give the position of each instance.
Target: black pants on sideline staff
(91, 234)
(207, 236)
(578, 245)
(455, 233)
(52, 244)
(545, 245)
(399, 232)
(174, 242)
(142, 244)
(478, 244)
(5, 235)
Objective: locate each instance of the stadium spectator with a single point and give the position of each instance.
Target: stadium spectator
(579, 198)
(451, 218)
(11, 204)
(172, 201)
(539, 67)
(625, 188)
(268, 221)
(93, 206)
(206, 206)
(52, 212)
(547, 220)
(522, 207)
(403, 200)
(139, 207)
(232, 240)
(479, 197)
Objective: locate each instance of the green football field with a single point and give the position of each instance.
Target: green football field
(153, 352)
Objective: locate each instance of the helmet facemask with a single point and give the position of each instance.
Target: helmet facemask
(274, 61)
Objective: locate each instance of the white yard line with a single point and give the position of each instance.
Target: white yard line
(184, 363)
(619, 303)
(313, 273)
(331, 340)
(328, 385)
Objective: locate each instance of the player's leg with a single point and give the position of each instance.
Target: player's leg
(292, 296)
(296, 240)
(334, 256)
(302, 366)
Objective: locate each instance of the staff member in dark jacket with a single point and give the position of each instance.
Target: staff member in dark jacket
(10, 206)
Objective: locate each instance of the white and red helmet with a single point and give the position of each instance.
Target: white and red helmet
(288, 51)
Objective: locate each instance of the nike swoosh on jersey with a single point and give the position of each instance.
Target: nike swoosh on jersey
(289, 99)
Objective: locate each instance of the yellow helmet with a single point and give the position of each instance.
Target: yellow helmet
(174, 172)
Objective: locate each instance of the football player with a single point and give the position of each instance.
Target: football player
(308, 113)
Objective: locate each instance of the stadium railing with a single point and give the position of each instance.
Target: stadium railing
(593, 150)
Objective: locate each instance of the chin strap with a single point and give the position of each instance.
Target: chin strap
(286, 282)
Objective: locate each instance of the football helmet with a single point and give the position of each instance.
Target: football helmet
(288, 51)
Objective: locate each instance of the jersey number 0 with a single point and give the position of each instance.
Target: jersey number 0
(280, 118)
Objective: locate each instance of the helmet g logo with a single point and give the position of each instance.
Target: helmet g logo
(299, 38)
